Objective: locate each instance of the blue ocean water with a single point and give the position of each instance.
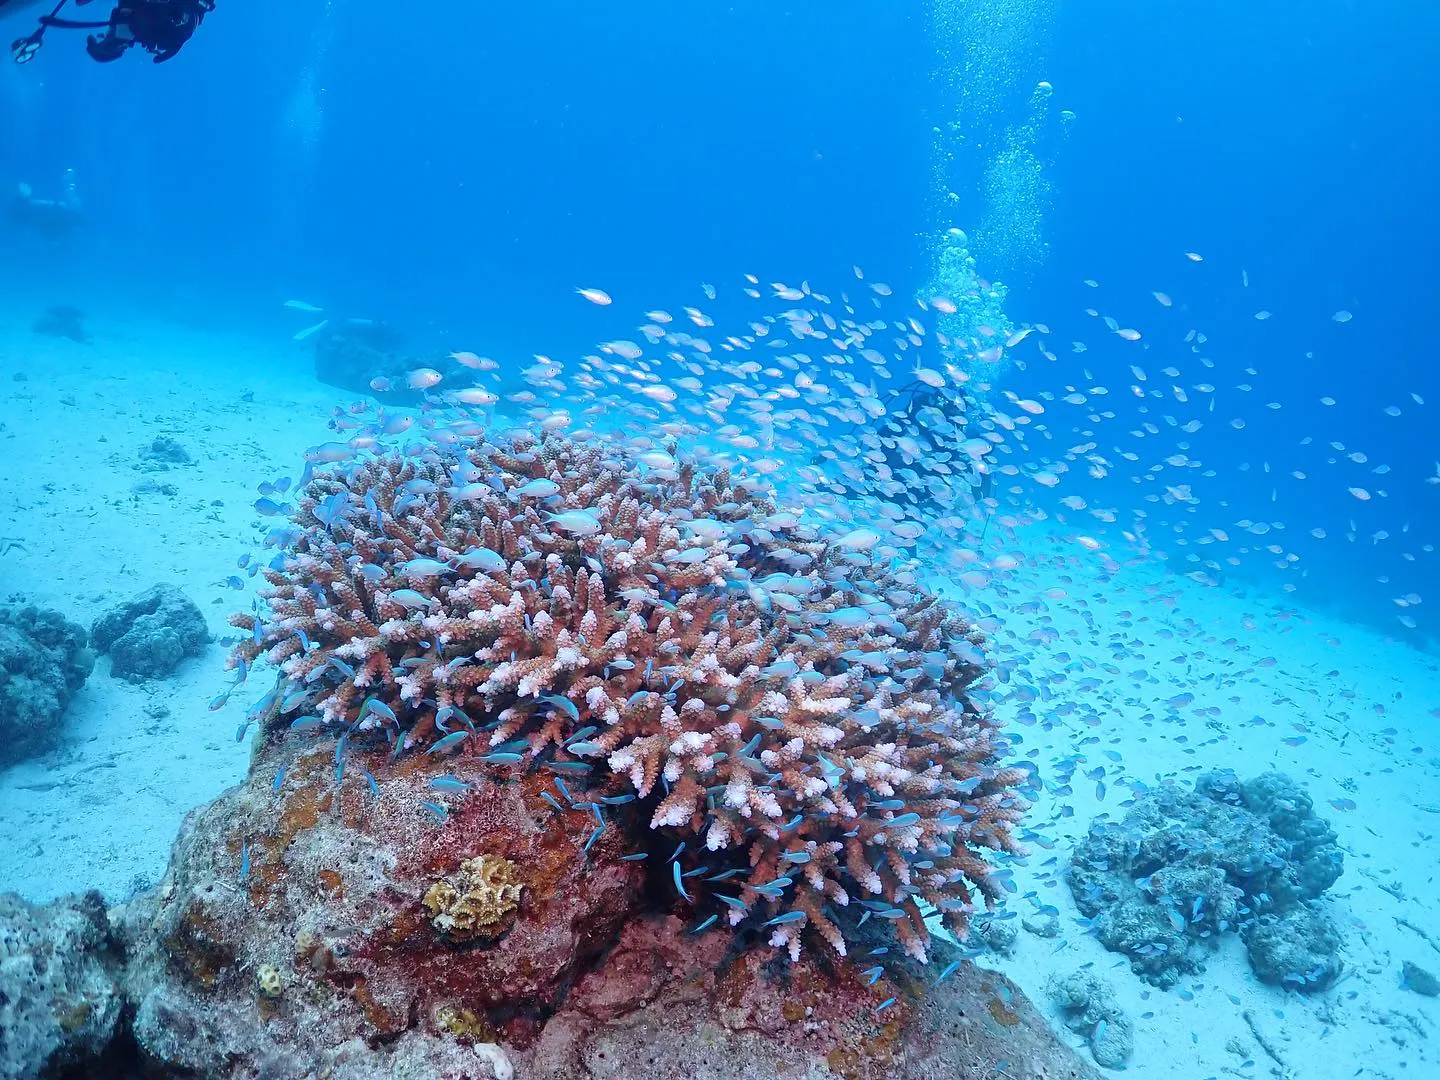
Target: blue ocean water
(459, 172)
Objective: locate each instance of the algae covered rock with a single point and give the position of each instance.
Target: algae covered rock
(148, 635)
(59, 986)
(292, 936)
(43, 662)
(1087, 1006)
(1185, 867)
(1299, 949)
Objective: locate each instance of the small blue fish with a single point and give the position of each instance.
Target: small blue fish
(562, 703)
(449, 742)
(709, 922)
(788, 917)
(639, 856)
(425, 568)
(884, 1005)
(435, 808)
(496, 758)
(483, 560)
(450, 783)
(379, 708)
(244, 861)
(410, 599)
(680, 885)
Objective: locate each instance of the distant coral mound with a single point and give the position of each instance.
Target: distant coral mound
(63, 321)
(1185, 867)
(148, 635)
(43, 662)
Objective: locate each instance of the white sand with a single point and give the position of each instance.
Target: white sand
(102, 810)
(1185, 638)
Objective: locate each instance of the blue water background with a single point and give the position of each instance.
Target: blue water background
(470, 166)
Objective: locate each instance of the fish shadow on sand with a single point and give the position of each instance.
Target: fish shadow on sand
(63, 321)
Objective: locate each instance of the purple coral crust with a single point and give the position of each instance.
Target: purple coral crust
(787, 709)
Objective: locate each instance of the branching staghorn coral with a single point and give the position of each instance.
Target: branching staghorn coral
(789, 713)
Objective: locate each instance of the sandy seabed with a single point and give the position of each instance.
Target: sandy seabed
(102, 809)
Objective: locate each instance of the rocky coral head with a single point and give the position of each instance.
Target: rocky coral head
(777, 720)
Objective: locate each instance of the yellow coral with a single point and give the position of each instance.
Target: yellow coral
(474, 902)
(268, 981)
(462, 1023)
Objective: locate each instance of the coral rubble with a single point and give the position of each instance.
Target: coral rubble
(43, 662)
(778, 721)
(1185, 867)
(149, 634)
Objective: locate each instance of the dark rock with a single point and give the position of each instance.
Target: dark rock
(1185, 867)
(1299, 948)
(63, 321)
(1414, 977)
(43, 662)
(60, 1005)
(148, 636)
(162, 452)
(350, 355)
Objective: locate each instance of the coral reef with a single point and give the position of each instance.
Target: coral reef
(43, 662)
(1184, 867)
(1088, 1007)
(148, 635)
(549, 717)
(60, 1004)
(777, 721)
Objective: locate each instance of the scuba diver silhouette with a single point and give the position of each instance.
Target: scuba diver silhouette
(160, 27)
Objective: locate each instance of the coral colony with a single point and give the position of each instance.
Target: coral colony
(779, 720)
